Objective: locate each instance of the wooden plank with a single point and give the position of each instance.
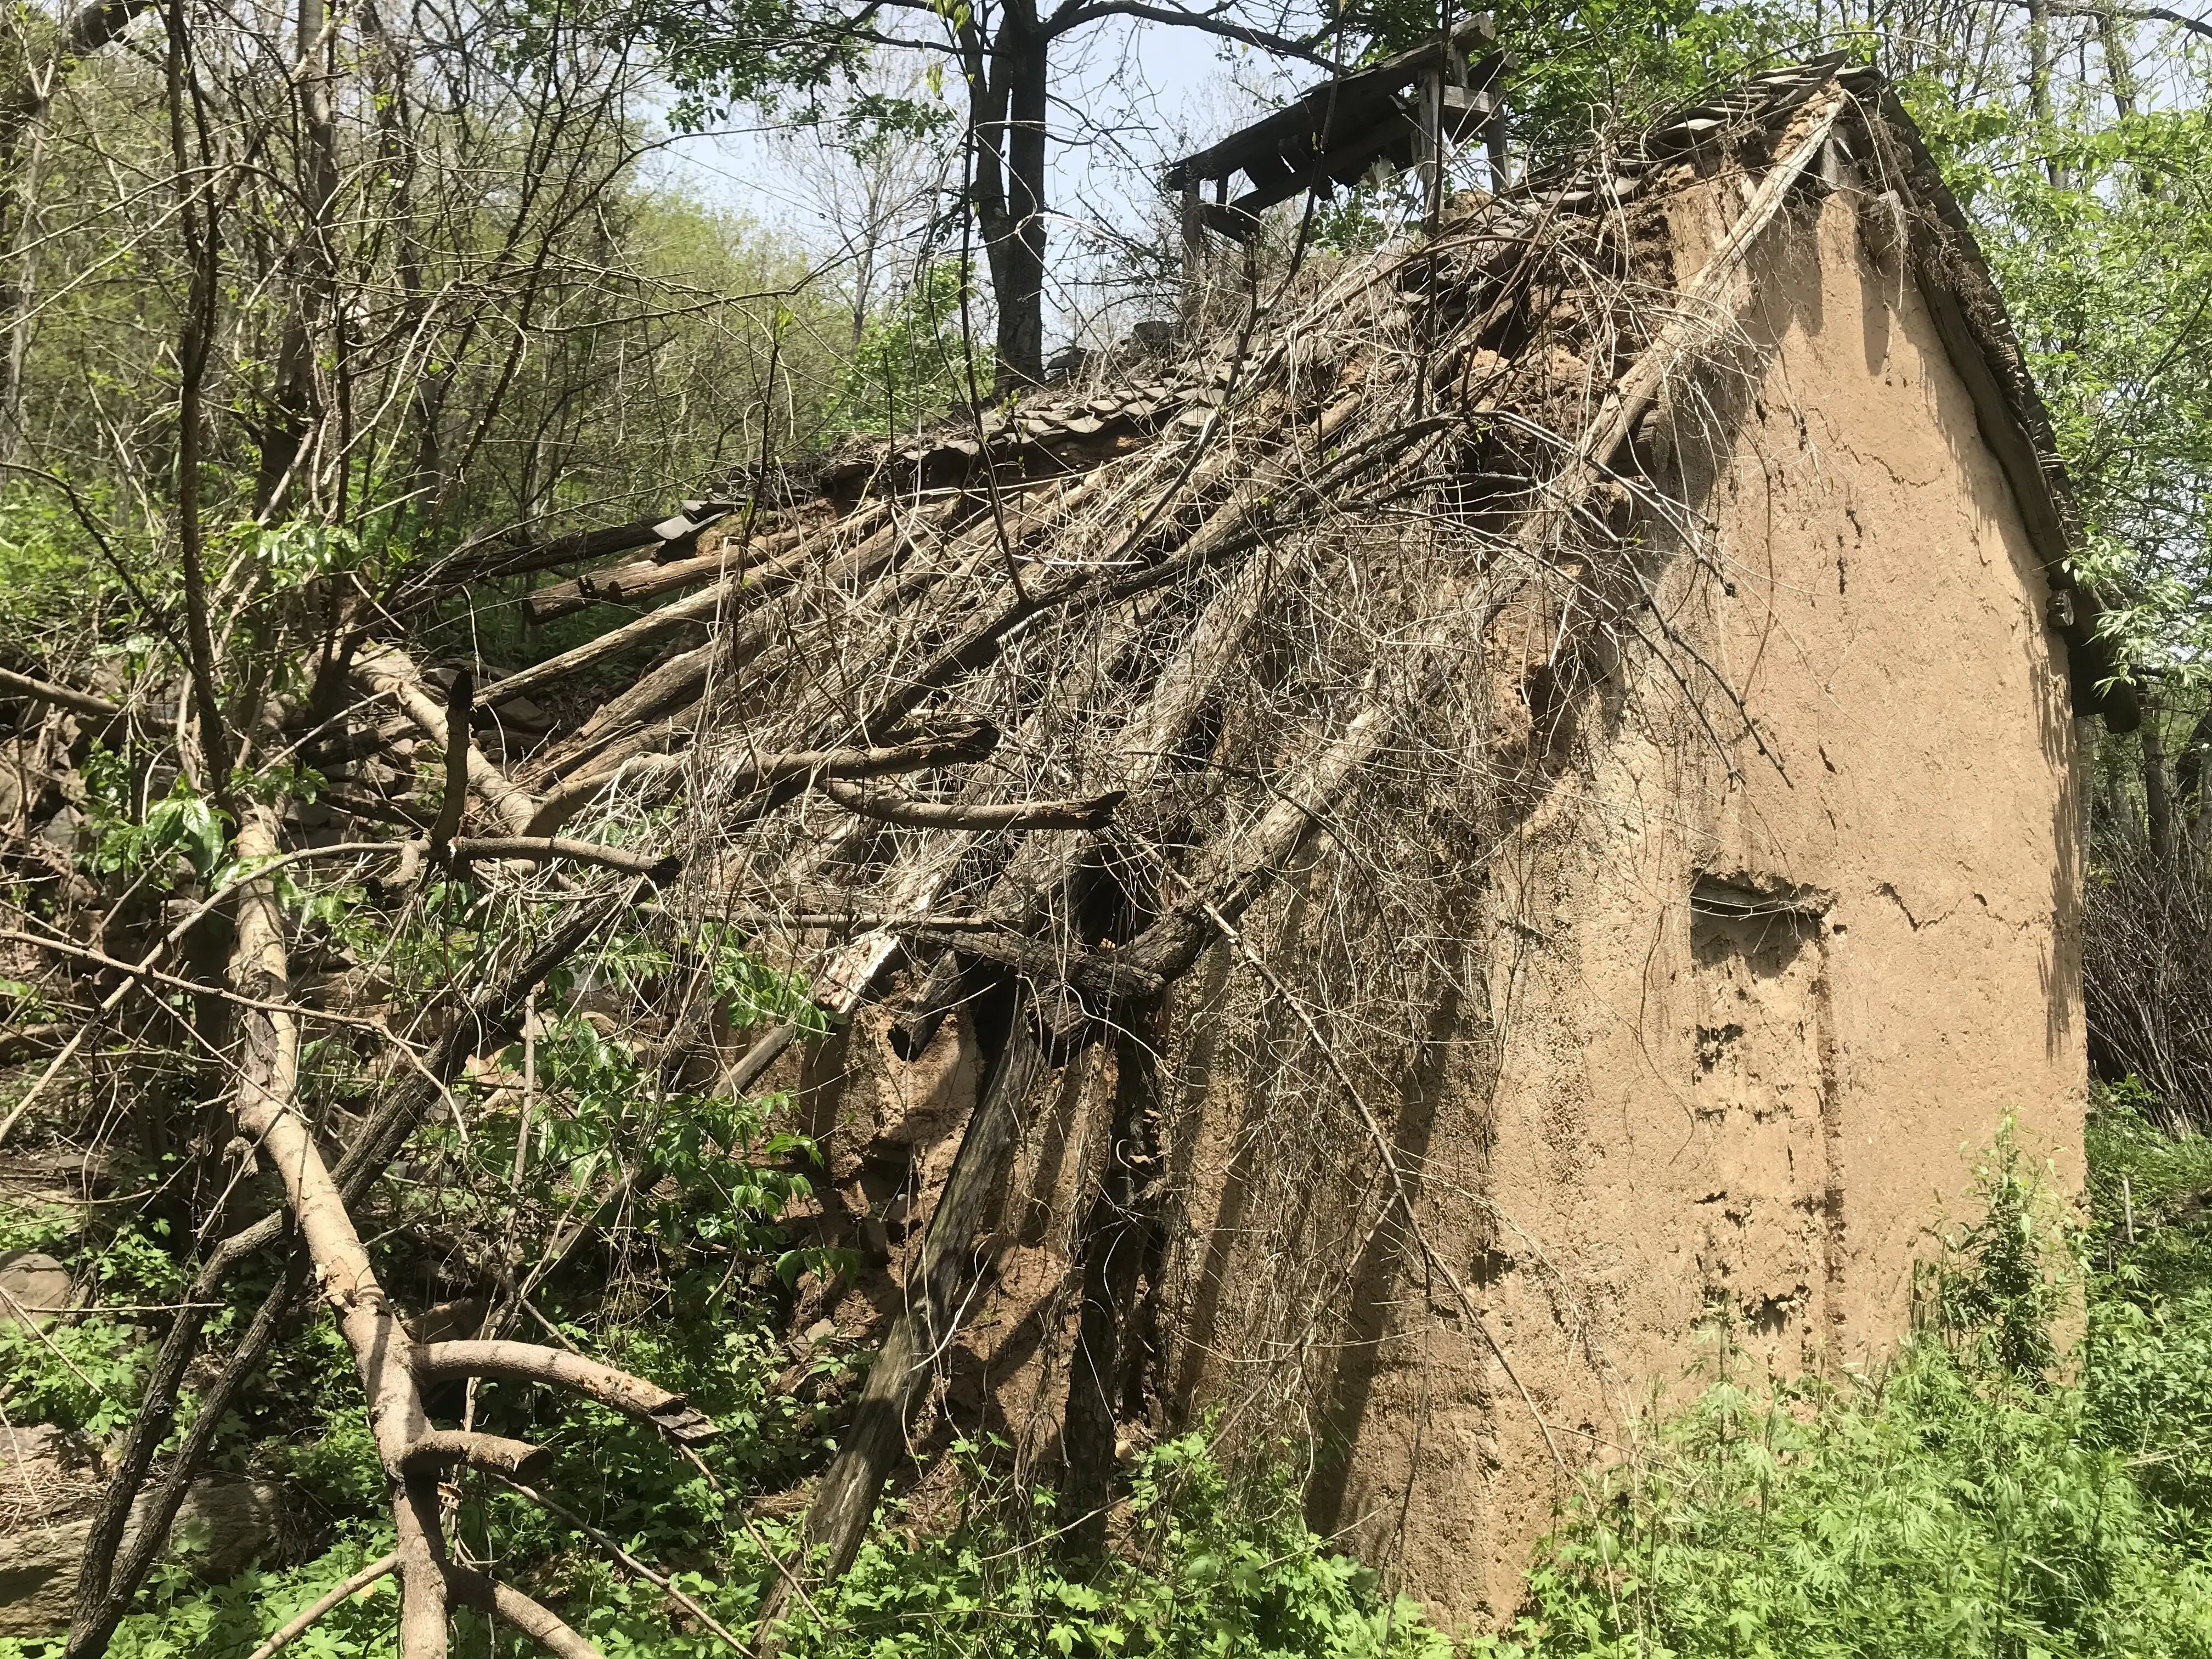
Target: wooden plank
(1333, 132)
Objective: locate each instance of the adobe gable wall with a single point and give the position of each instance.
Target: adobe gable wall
(1704, 1116)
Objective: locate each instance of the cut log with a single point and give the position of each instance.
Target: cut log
(681, 678)
(443, 1449)
(1121, 1241)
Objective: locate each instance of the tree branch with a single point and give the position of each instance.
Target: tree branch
(528, 1362)
(950, 743)
(443, 1449)
(327, 1602)
(550, 849)
(2125, 13)
(888, 806)
(1076, 13)
(540, 1624)
(81, 703)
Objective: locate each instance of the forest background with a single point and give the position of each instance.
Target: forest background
(326, 297)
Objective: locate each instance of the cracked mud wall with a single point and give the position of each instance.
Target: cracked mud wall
(1751, 1030)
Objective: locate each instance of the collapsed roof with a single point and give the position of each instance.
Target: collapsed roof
(1054, 622)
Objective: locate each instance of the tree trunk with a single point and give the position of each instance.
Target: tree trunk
(2189, 781)
(293, 400)
(1014, 234)
(196, 341)
(2120, 62)
(2158, 804)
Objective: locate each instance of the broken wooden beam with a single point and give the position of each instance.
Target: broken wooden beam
(389, 671)
(642, 582)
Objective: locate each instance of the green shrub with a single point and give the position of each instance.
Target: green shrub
(1990, 1495)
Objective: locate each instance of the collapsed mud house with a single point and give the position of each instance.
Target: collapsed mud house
(1516, 804)
(1609, 837)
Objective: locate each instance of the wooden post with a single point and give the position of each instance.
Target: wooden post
(1429, 140)
(1194, 250)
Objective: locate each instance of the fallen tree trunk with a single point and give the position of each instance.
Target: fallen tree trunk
(110, 1577)
(266, 1113)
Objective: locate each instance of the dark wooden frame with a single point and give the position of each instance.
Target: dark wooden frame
(1399, 111)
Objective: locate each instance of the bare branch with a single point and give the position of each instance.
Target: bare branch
(329, 1601)
(892, 807)
(82, 702)
(528, 1362)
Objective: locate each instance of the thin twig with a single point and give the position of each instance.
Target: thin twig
(659, 1581)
